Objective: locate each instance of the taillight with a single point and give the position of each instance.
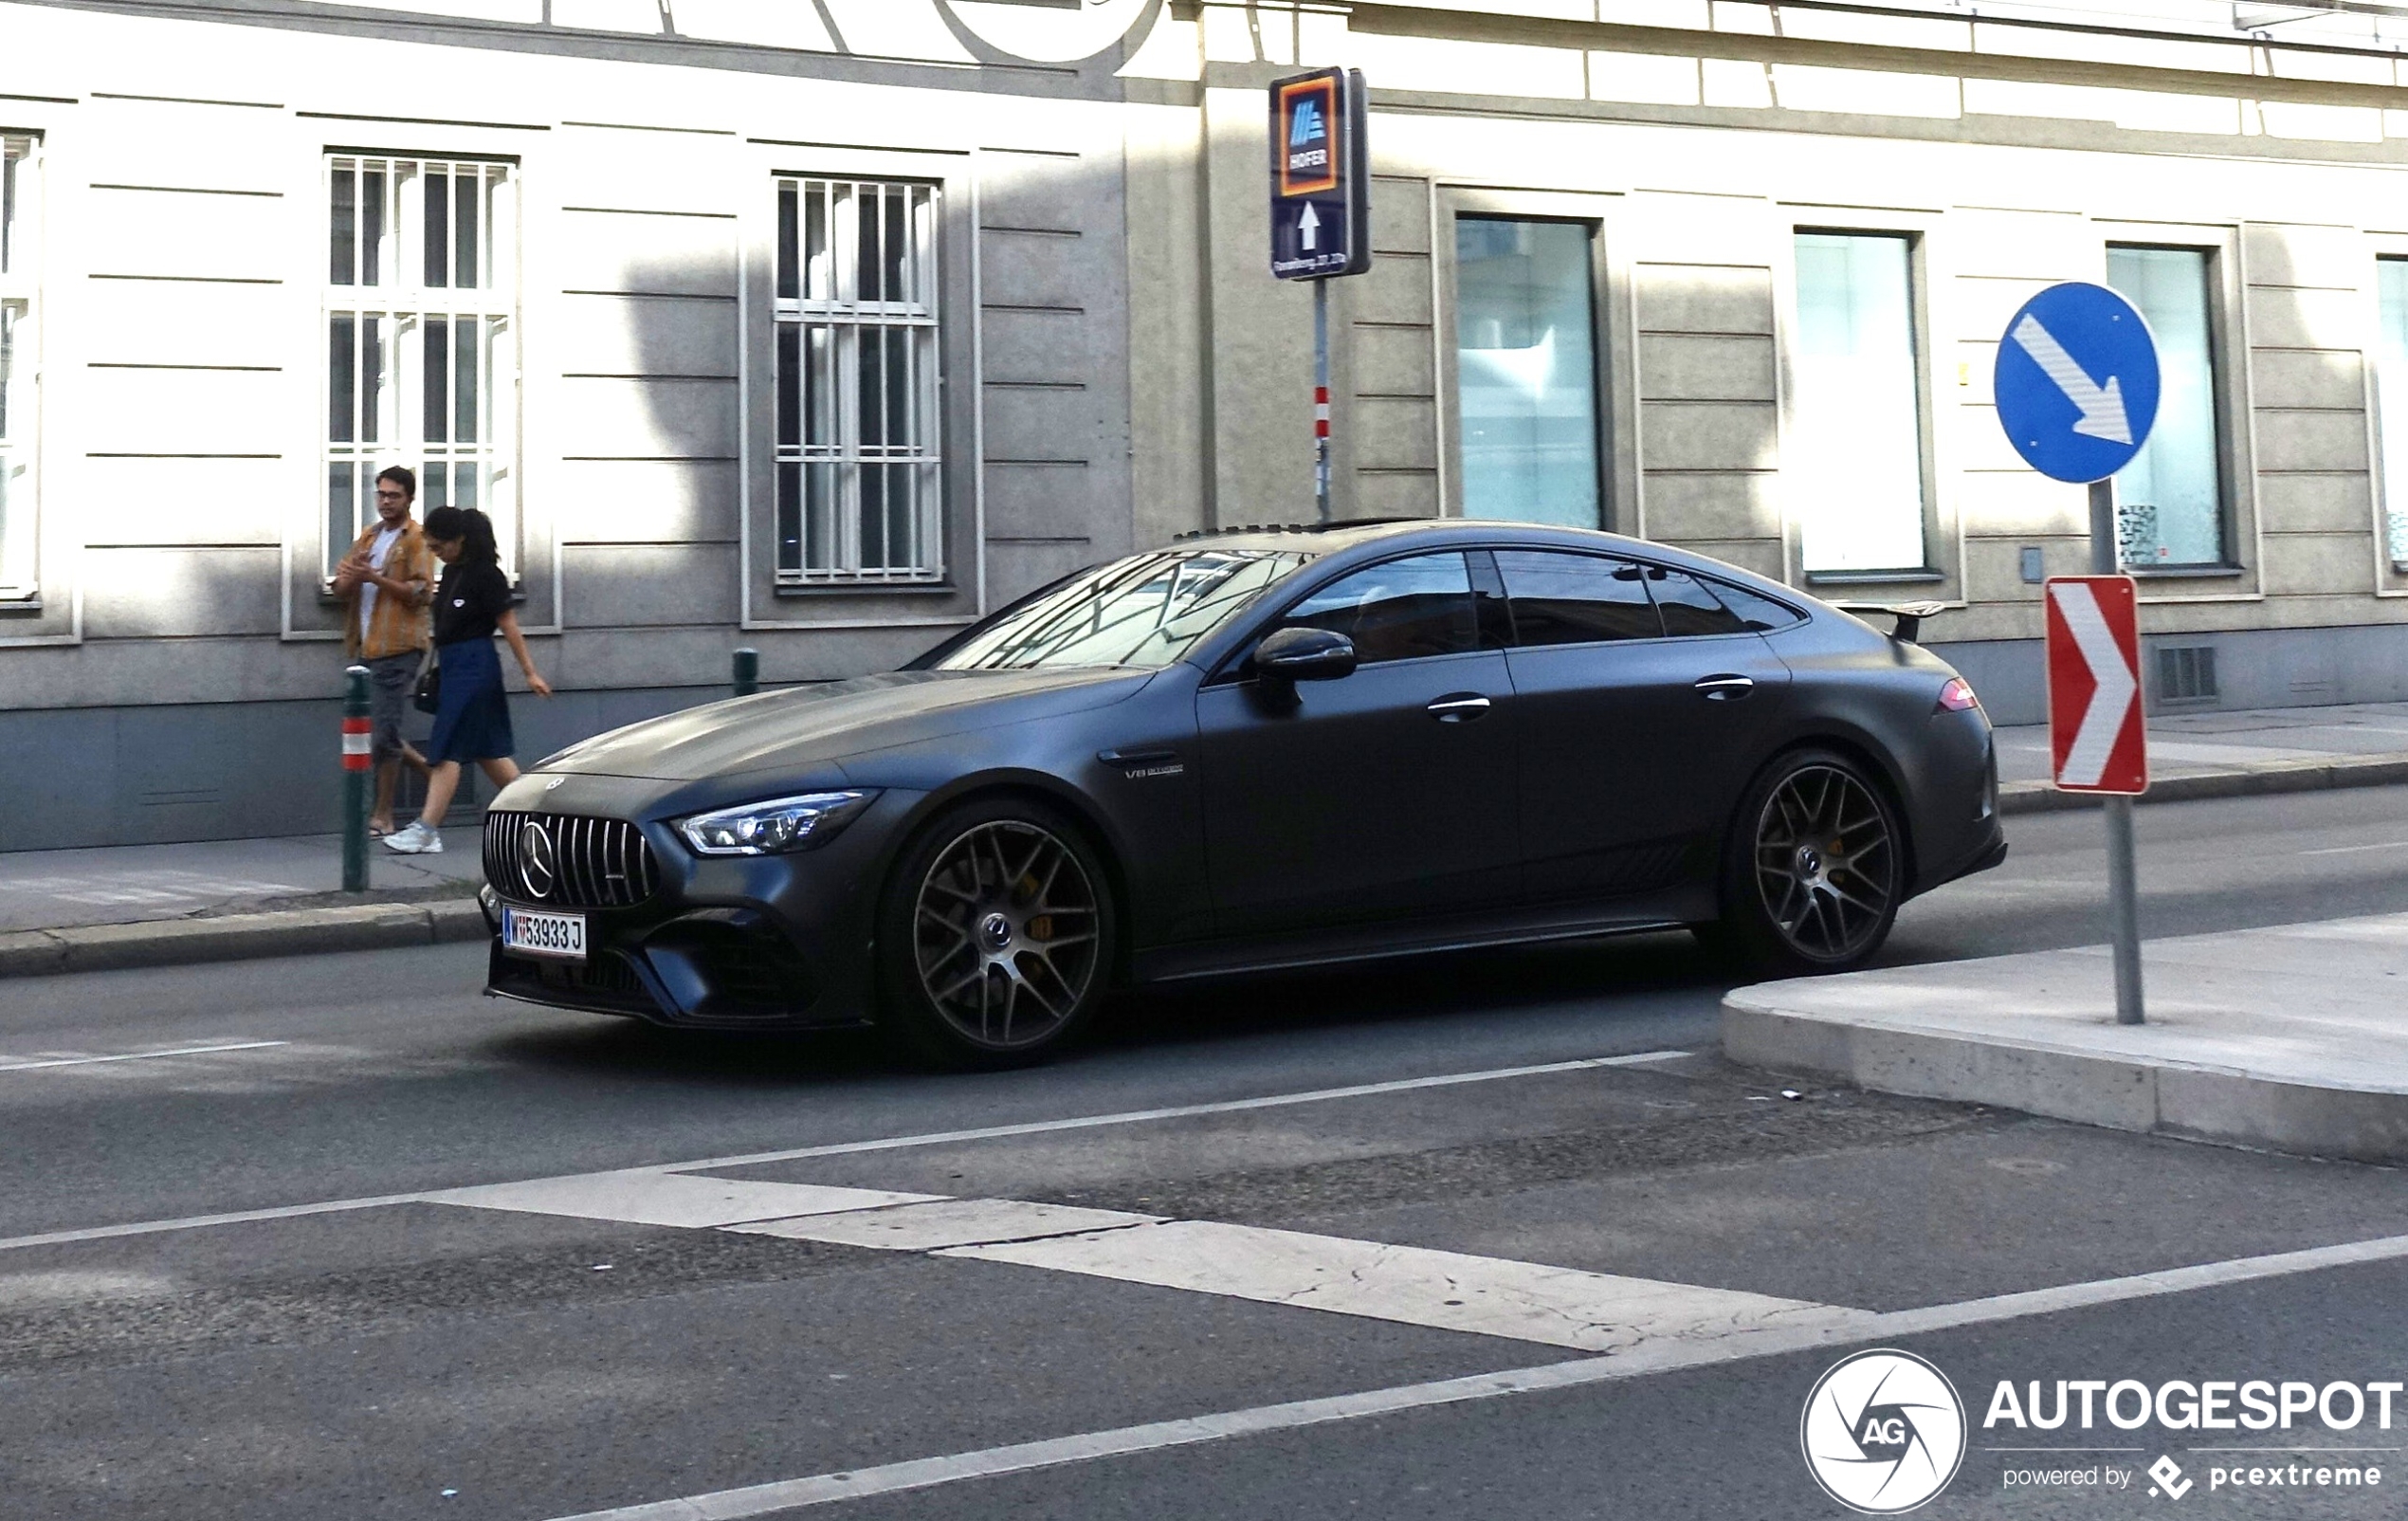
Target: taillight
(1957, 697)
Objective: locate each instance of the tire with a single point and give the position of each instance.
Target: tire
(995, 939)
(1813, 868)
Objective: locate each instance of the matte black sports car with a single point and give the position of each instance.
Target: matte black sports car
(1257, 749)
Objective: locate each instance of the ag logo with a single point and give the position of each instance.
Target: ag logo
(1883, 1432)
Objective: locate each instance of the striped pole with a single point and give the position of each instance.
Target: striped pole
(1321, 399)
(358, 765)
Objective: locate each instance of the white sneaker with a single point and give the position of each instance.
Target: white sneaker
(417, 839)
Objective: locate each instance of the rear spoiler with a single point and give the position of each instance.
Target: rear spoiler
(1909, 616)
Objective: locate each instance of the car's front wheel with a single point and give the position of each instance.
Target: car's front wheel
(1815, 867)
(995, 938)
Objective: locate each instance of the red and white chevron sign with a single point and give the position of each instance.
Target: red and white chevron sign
(2097, 739)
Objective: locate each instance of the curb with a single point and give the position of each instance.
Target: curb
(2252, 779)
(2113, 1091)
(239, 936)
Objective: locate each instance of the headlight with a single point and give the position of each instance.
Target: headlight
(771, 828)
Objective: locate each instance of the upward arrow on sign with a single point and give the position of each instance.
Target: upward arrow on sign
(1310, 224)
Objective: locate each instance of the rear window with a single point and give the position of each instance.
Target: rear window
(1756, 613)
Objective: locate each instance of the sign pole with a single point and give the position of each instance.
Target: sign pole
(1321, 211)
(2123, 885)
(1321, 399)
(2078, 383)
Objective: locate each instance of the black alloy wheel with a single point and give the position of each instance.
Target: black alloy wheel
(1815, 867)
(1004, 952)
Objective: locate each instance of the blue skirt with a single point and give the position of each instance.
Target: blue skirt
(472, 720)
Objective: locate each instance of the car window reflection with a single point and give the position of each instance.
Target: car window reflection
(1401, 610)
(1147, 609)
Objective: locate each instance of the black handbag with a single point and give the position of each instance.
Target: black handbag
(427, 695)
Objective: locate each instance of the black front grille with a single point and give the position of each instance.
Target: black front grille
(596, 863)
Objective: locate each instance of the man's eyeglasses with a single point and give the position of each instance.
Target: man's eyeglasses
(389, 495)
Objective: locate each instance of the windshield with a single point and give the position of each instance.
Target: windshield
(1147, 609)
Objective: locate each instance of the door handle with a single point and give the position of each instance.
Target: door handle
(1726, 688)
(1456, 707)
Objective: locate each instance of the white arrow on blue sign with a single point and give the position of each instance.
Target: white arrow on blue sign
(2077, 382)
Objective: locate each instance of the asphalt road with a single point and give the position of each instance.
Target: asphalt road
(595, 1342)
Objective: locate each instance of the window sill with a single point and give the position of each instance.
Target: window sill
(2185, 573)
(866, 589)
(21, 607)
(1890, 578)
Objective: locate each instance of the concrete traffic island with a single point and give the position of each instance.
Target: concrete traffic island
(2294, 1038)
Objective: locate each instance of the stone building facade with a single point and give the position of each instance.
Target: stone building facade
(822, 326)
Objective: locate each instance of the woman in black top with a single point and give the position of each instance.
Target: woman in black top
(472, 717)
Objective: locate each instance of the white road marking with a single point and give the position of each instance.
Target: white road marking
(338, 1206)
(1414, 1286)
(2352, 849)
(137, 1056)
(643, 1197)
(947, 1223)
(1659, 1357)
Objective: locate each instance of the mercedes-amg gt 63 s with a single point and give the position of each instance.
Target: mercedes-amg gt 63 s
(1251, 751)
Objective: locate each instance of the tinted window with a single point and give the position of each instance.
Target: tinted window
(1755, 614)
(1687, 607)
(1399, 610)
(1147, 609)
(1576, 599)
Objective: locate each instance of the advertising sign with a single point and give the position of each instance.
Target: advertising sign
(1321, 176)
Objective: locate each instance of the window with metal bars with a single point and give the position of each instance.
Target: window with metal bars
(860, 472)
(19, 234)
(422, 366)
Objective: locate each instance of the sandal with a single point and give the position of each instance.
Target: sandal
(376, 834)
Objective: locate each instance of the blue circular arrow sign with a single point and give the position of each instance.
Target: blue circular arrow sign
(2076, 382)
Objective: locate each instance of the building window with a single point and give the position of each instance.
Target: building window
(422, 363)
(1857, 445)
(860, 472)
(1526, 370)
(2391, 398)
(2170, 500)
(19, 573)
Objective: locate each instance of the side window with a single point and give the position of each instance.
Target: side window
(1403, 609)
(1559, 598)
(1687, 606)
(1756, 613)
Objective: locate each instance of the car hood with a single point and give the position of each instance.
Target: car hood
(826, 721)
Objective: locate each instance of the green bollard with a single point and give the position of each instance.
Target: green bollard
(358, 769)
(748, 672)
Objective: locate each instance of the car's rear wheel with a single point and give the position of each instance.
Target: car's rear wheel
(1814, 868)
(996, 939)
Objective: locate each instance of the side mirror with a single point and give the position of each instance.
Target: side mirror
(1304, 654)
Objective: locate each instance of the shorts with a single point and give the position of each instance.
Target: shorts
(392, 679)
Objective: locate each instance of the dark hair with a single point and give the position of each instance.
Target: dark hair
(472, 528)
(403, 477)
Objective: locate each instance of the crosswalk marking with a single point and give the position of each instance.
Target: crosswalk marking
(950, 1223)
(640, 1196)
(1407, 1285)
(1416, 1286)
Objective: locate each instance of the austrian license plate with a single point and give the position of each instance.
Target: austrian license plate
(541, 934)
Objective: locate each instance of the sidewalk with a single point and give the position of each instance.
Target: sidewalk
(221, 899)
(153, 905)
(2229, 754)
(2294, 1038)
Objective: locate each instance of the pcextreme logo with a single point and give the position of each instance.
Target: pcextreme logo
(1883, 1432)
